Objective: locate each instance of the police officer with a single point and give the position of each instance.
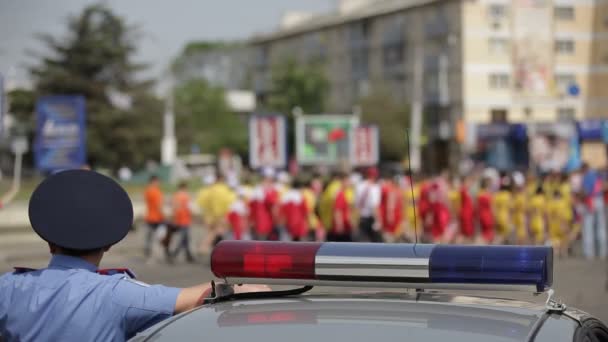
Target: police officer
(81, 214)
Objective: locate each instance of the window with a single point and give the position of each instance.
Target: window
(497, 11)
(499, 116)
(563, 81)
(359, 49)
(499, 81)
(565, 13)
(564, 46)
(393, 48)
(566, 114)
(498, 46)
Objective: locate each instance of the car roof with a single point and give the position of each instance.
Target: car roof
(357, 317)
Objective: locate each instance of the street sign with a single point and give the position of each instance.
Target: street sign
(61, 133)
(365, 146)
(574, 89)
(324, 139)
(19, 145)
(267, 141)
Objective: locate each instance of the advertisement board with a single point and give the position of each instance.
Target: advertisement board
(267, 141)
(551, 145)
(60, 141)
(533, 67)
(365, 146)
(324, 139)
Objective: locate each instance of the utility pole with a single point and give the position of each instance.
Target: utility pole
(445, 121)
(169, 143)
(416, 115)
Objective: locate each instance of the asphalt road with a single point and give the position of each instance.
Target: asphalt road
(579, 283)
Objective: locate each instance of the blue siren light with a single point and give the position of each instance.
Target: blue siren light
(512, 265)
(385, 265)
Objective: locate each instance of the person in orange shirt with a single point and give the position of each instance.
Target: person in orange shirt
(154, 211)
(182, 220)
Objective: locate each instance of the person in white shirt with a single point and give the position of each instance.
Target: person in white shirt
(367, 201)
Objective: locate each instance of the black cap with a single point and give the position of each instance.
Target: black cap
(81, 210)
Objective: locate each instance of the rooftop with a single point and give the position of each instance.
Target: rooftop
(317, 22)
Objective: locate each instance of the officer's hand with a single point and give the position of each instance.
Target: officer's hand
(251, 288)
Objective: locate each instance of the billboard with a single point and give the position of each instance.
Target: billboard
(532, 27)
(364, 143)
(551, 145)
(60, 133)
(324, 139)
(267, 141)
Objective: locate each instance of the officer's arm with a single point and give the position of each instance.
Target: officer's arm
(191, 297)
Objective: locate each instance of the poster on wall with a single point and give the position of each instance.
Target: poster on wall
(267, 141)
(324, 139)
(60, 141)
(532, 26)
(551, 146)
(365, 146)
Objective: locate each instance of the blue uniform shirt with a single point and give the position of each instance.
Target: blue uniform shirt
(68, 301)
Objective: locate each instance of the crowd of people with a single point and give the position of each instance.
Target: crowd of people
(482, 207)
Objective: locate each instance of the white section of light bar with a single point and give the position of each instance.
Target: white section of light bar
(391, 285)
(330, 265)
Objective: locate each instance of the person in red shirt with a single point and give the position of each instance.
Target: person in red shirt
(238, 217)
(294, 211)
(153, 197)
(182, 220)
(466, 212)
(341, 229)
(424, 206)
(484, 211)
(391, 209)
(264, 207)
(440, 213)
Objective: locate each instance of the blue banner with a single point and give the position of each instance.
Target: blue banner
(591, 129)
(60, 133)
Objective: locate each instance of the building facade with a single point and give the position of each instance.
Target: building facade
(482, 61)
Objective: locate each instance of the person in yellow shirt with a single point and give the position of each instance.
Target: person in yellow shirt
(214, 202)
(559, 217)
(520, 201)
(314, 224)
(551, 183)
(454, 197)
(565, 189)
(327, 199)
(532, 184)
(409, 207)
(537, 210)
(503, 209)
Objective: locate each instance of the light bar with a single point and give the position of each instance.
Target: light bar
(385, 265)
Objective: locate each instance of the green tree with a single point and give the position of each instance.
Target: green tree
(21, 107)
(298, 85)
(96, 57)
(194, 48)
(204, 118)
(392, 119)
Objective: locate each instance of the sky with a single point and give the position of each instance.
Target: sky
(166, 24)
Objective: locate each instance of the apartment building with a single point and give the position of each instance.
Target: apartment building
(514, 60)
(482, 61)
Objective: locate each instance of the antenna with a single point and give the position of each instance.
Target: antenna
(409, 170)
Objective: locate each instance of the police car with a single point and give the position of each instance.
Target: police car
(422, 305)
